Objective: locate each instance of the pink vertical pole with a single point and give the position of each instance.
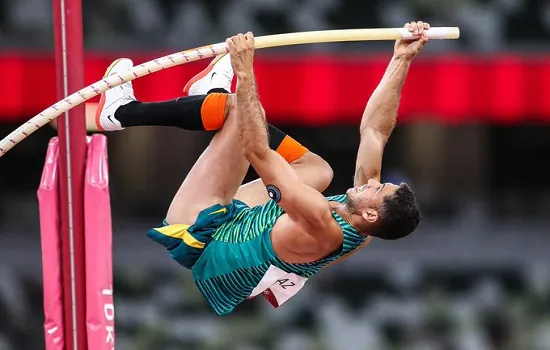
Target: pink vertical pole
(48, 205)
(100, 312)
(69, 57)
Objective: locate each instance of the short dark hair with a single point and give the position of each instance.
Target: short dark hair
(399, 215)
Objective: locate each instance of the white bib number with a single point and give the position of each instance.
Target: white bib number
(277, 286)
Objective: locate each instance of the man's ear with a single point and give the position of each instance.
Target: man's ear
(370, 216)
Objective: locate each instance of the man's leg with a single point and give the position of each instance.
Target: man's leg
(215, 177)
(220, 170)
(217, 174)
(312, 170)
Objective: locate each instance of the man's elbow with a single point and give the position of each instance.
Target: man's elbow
(254, 151)
(374, 133)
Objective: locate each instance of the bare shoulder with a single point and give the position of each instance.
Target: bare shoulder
(295, 244)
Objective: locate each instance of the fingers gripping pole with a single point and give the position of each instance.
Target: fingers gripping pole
(199, 53)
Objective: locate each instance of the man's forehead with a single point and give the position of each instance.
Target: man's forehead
(390, 188)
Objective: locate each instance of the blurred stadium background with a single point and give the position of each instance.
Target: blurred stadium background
(473, 141)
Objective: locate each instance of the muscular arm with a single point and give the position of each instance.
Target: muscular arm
(304, 205)
(252, 125)
(379, 119)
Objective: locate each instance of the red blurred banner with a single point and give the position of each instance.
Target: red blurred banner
(321, 89)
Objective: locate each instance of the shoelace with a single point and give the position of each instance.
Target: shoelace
(127, 91)
(228, 71)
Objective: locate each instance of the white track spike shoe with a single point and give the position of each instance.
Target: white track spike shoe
(218, 75)
(114, 98)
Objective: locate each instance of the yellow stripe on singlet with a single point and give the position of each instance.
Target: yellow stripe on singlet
(180, 231)
(220, 211)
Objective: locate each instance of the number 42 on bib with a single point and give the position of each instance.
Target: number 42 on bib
(277, 286)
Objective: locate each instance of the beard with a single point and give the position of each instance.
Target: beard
(350, 203)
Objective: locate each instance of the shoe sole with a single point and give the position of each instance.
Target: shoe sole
(103, 96)
(202, 74)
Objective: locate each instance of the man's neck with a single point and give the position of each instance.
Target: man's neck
(346, 214)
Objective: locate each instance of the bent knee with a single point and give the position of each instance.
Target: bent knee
(326, 173)
(322, 170)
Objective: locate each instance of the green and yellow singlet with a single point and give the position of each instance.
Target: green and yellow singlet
(231, 257)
